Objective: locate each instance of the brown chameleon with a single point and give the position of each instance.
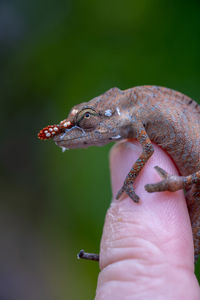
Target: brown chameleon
(149, 114)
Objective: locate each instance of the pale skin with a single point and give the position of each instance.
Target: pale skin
(146, 248)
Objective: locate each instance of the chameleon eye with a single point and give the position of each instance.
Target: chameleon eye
(87, 119)
(87, 115)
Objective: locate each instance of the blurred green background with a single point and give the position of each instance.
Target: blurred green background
(53, 55)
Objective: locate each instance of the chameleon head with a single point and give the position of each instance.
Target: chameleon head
(96, 122)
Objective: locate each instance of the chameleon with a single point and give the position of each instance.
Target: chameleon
(148, 114)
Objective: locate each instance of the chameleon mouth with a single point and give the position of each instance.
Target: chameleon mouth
(70, 138)
(76, 137)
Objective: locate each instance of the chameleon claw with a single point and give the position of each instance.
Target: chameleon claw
(161, 172)
(159, 186)
(134, 197)
(128, 189)
(119, 193)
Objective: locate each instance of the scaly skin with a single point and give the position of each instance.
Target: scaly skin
(149, 114)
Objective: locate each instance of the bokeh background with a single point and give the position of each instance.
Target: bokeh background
(53, 55)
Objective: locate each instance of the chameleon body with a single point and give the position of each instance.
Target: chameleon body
(149, 114)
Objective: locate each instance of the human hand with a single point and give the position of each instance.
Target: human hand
(146, 248)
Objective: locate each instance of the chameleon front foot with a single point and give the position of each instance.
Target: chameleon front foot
(170, 183)
(128, 189)
(89, 256)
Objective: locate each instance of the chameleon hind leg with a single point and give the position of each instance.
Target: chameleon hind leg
(173, 183)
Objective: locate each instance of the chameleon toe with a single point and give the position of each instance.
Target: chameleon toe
(161, 172)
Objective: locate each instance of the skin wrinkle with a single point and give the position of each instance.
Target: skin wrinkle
(138, 286)
(137, 280)
(135, 254)
(168, 212)
(128, 276)
(154, 270)
(126, 235)
(119, 234)
(141, 280)
(136, 241)
(116, 241)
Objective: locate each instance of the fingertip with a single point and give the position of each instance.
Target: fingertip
(163, 214)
